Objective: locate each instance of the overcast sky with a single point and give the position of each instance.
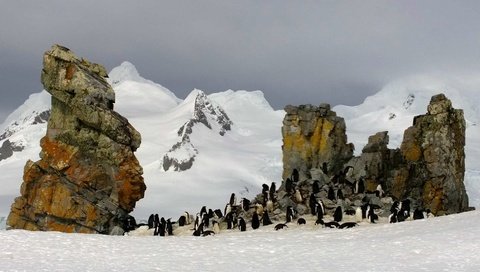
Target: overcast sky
(296, 52)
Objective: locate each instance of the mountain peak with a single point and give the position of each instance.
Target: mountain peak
(125, 71)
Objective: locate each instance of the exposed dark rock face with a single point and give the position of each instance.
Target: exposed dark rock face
(313, 136)
(88, 178)
(428, 169)
(7, 149)
(182, 154)
(433, 149)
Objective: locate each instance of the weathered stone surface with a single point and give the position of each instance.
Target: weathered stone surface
(435, 159)
(88, 178)
(313, 136)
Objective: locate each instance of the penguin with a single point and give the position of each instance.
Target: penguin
(265, 198)
(295, 175)
(332, 224)
(216, 227)
(206, 220)
(265, 189)
(290, 214)
(242, 226)
(301, 221)
(228, 209)
(395, 207)
(313, 204)
(156, 221)
(187, 217)
(319, 222)
(298, 196)
(208, 233)
(245, 204)
(266, 219)
(182, 221)
(233, 200)
(379, 191)
(230, 219)
(348, 225)
(340, 194)
(280, 226)
(217, 214)
(331, 194)
(162, 227)
(273, 190)
(269, 206)
(321, 207)
(316, 187)
(198, 231)
(169, 227)
(360, 186)
(151, 221)
(392, 218)
(358, 214)
(338, 215)
(130, 223)
(325, 168)
(319, 214)
(371, 215)
(365, 209)
(418, 214)
(429, 213)
(289, 186)
(255, 221)
(203, 211)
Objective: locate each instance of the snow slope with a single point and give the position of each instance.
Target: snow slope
(448, 243)
(246, 156)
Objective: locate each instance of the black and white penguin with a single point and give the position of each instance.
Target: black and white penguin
(429, 213)
(228, 209)
(266, 219)
(371, 216)
(359, 186)
(319, 222)
(392, 218)
(332, 224)
(290, 214)
(340, 194)
(358, 214)
(265, 189)
(182, 221)
(203, 211)
(265, 198)
(280, 226)
(216, 227)
(169, 227)
(259, 209)
(365, 209)
(316, 187)
(245, 204)
(230, 220)
(331, 194)
(418, 214)
(348, 225)
(242, 226)
(295, 176)
(208, 233)
(301, 221)
(289, 188)
(217, 214)
(151, 221)
(198, 231)
(255, 221)
(319, 214)
(313, 204)
(197, 222)
(379, 191)
(233, 200)
(187, 217)
(273, 190)
(130, 223)
(338, 214)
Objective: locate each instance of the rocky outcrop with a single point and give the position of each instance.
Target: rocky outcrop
(433, 149)
(88, 178)
(314, 138)
(182, 154)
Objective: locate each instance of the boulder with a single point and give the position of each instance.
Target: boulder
(87, 179)
(313, 137)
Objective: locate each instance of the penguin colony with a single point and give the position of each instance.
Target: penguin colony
(248, 214)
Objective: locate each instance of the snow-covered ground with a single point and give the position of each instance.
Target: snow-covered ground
(448, 243)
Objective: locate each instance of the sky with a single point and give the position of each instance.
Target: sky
(296, 52)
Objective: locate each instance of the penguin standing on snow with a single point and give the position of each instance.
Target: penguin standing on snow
(338, 215)
(313, 204)
(255, 221)
(230, 218)
(169, 227)
(151, 221)
(216, 227)
(242, 226)
(290, 214)
(228, 209)
(371, 215)
(273, 190)
(266, 219)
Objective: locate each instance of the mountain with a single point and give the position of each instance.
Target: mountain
(232, 138)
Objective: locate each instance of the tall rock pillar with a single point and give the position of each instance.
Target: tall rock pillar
(88, 178)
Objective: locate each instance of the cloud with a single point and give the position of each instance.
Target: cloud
(307, 52)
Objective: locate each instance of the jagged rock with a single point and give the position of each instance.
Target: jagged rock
(313, 136)
(88, 178)
(433, 149)
(7, 149)
(182, 154)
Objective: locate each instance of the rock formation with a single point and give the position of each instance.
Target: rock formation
(313, 138)
(88, 178)
(428, 168)
(433, 149)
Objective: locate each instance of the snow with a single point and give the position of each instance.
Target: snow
(448, 243)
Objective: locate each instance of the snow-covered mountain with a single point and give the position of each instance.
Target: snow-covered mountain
(232, 140)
